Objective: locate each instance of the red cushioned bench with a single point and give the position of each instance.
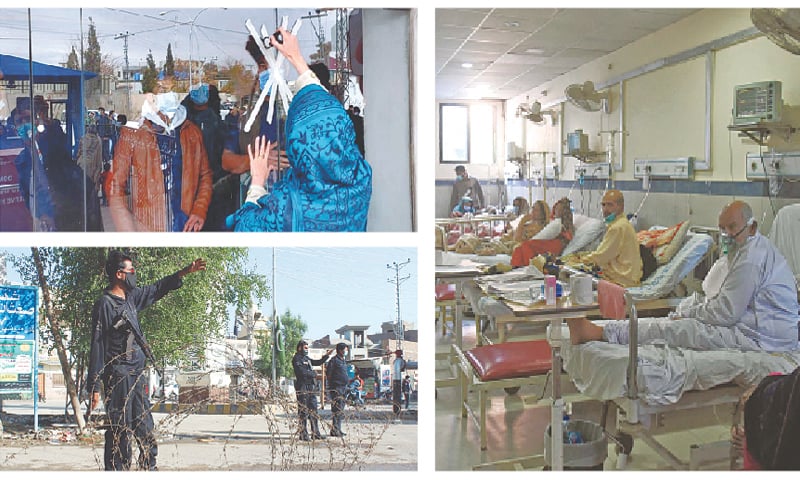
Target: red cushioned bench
(508, 365)
(446, 298)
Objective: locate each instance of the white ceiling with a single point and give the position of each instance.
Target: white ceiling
(515, 49)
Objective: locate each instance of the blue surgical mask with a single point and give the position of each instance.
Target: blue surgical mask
(262, 78)
(459, 178)
(468, 209)
(610, 218)
(25, 131)
(516, 210)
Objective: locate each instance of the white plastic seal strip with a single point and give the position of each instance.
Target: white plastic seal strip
(276, 80)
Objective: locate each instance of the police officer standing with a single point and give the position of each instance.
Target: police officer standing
(305, 380)
(117, 358)
(337, 385)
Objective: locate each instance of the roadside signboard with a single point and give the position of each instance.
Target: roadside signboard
(19, 343)
(18, 328)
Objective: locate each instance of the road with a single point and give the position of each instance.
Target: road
(375, 441)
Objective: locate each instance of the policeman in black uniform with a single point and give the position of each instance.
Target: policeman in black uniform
(337, 385)
(117, 358)
(304, 386)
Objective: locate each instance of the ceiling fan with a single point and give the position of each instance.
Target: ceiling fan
(584, 96)
(780, 25)
(535, 114)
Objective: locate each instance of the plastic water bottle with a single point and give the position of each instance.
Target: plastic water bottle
(574, 438)
(571, 437)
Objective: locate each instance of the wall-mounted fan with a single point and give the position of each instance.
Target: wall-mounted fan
(533, 112)
(584, 96)
(780, 25)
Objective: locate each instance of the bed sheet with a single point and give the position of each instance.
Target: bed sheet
(667, 276)
(664, 373)
(453, 259)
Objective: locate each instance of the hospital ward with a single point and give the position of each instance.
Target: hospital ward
(616, 214)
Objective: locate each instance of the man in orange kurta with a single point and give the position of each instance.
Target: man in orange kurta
(137, 169)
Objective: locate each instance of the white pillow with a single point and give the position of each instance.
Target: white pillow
(579, 220)
(550, 231)
(590, 230)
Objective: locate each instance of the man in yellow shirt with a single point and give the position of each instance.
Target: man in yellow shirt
(618, 254)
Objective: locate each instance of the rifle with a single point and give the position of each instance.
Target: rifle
(120, 321)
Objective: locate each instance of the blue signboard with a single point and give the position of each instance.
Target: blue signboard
(18, 340)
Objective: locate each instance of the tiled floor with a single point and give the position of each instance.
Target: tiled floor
(516, 424)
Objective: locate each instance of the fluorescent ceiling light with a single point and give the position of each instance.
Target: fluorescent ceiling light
(466, 65)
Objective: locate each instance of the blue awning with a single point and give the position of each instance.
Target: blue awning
(16, 68)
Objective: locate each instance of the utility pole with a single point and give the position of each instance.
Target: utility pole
(274, 329)
(342, 55)
(319, 32)
(399, 330)
(127, 72)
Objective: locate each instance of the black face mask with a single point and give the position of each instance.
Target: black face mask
(130, 281)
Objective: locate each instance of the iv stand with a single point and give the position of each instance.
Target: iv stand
(529, 161)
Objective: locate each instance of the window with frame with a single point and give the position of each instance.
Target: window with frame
(467, 133)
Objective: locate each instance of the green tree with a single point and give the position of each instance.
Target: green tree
(72, 60)
(240, 79)
(93, 59)
(150, 75)
(179, 326)
(292, 328)
(169, 63)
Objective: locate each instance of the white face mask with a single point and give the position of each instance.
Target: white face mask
(166, 103)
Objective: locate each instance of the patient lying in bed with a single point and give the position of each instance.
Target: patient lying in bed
(755, 307)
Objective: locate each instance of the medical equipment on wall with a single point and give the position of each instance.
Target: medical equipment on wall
(774, 167)
(780, 25)
(577, 143)
(584, 96)
(611, 150)
(533, 173)
(757, 102)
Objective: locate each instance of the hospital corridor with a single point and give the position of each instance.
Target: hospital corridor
(616, 215)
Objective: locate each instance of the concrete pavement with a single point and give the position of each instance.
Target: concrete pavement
(375, 441)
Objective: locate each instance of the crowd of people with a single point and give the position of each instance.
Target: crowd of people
(182, 167)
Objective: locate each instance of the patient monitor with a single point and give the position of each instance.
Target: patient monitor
(757, 102)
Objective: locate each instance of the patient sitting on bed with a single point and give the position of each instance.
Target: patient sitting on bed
(530, 248)
(755, 307)
(533, 222)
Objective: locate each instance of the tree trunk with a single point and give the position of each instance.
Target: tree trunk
(55, 330)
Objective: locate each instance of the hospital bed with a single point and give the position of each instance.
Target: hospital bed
(664, 384)
(664, 389)
(651, 295)
(483, 225)
(508, 366)
(491, 367)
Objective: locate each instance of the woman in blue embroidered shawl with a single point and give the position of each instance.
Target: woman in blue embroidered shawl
(328, 185)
